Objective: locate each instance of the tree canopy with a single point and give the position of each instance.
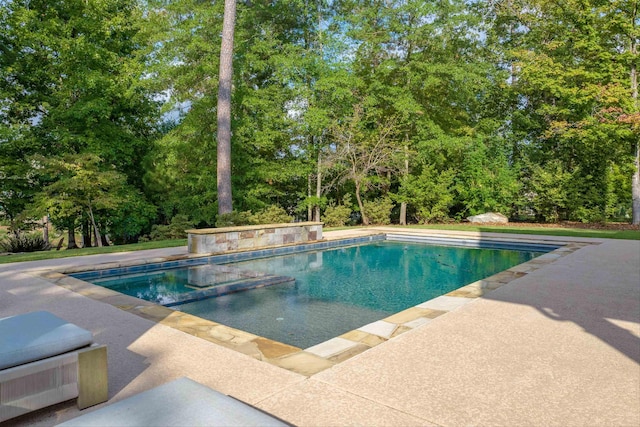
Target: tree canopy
(421, 110)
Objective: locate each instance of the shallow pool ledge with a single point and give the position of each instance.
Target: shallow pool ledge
(220, 240)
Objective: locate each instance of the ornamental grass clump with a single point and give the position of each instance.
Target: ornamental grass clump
(24, 242)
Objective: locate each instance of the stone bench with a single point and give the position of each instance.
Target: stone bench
(46, 360)
(225, 239)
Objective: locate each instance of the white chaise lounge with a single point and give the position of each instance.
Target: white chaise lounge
(182, 402)
(46, 360)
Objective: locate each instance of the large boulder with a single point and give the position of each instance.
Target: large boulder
(488, 218)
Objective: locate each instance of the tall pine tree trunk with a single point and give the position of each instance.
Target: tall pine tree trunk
(224, 109)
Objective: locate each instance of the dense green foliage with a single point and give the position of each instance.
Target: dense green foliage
(440, 109)
(76, 117)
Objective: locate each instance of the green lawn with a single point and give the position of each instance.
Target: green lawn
(571, 232)
(35, 256)
(541, 231)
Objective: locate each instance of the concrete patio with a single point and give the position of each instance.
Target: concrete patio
(558, 346)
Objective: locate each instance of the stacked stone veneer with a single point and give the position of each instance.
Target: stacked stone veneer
(219, 240)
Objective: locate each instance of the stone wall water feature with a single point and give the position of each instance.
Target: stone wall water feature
(220, 240)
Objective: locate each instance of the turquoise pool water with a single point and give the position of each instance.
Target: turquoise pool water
(161, 287)
(324, 293)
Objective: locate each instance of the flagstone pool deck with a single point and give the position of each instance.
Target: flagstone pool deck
(552, 343)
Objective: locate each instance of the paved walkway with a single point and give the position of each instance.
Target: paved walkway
(558, 346)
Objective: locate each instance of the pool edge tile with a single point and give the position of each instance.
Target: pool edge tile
(445, 303)
(380, 328)
(332, 347)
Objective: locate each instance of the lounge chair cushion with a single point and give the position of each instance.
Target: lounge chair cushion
(37, 335)
(182, 402)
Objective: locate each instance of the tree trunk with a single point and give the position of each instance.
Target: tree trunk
(403, 205)
(318, 188)
(86, 234)
(95, 228)
(224, 109)
(403, 213)
(309, 207)
(365, 220)
(45, 228)
(72, 236)
(635, 189)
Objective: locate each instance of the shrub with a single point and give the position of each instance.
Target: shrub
(549, 190)
(273, 214)
(174, 230)
(487, 180)
(379, 210)
(234, 218)
(337, 216)
(24, 242)
(431, 193)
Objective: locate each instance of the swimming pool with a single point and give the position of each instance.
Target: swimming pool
(309, 297)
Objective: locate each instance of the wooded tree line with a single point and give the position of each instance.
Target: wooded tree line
(395, 110)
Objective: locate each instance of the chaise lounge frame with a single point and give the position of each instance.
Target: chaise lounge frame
(80, 373)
